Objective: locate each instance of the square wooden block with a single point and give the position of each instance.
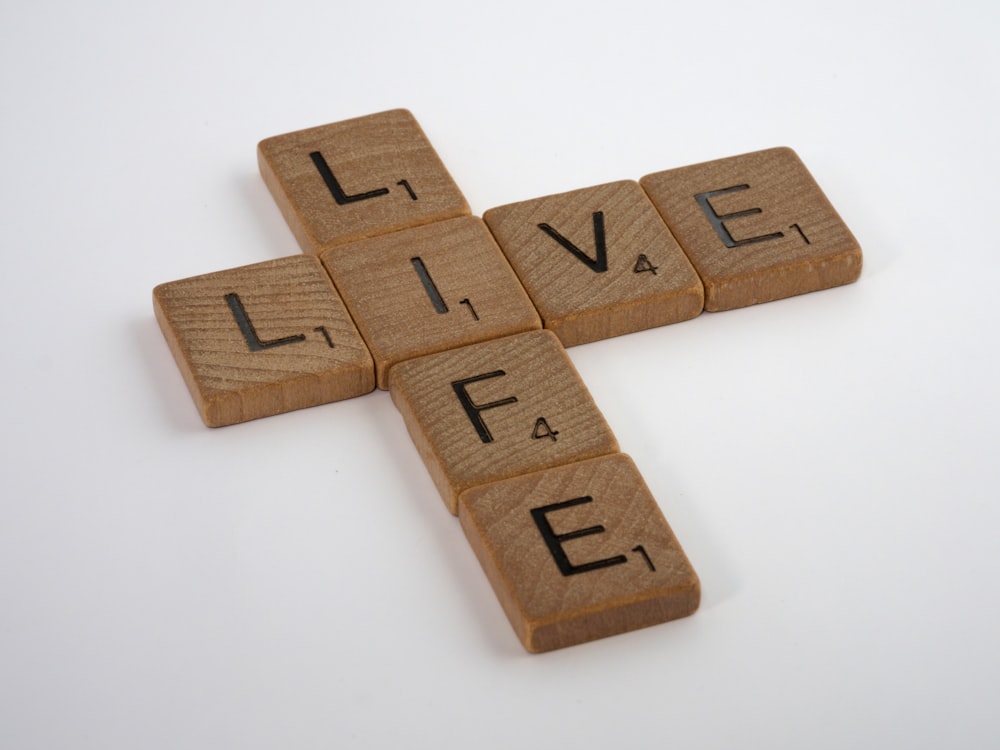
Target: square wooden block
(357, 178)
(428, 289)
(496, 410)
(578, 552)
(262, 340)
(597, 262)
(757, 228)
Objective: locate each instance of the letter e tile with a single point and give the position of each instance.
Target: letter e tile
(263, 339)
(357, 178)
(597, 262)
(578, 552)
(497, 409)
(757, 228)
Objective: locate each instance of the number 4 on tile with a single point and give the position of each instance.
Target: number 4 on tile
(642, 265)
(542, 430)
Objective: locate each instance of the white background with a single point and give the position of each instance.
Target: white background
(827, 461)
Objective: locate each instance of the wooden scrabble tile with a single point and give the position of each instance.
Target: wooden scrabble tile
(578, 552)
(497, 409)
(757, 228)
(262, 340)
(357, 178)
(597, 262)
(428, 289)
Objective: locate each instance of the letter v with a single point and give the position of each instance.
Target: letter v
(598, 264)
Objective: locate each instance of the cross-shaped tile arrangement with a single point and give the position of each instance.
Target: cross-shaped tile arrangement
(464, 321)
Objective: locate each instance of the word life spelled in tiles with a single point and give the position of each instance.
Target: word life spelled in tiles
(449, 311)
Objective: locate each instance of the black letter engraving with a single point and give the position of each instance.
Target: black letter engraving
(716, 221)
(336, 190)
(429, 287)
(555, 541)
(601, 263)
(250, 333)
(642, 551)
(472, 409)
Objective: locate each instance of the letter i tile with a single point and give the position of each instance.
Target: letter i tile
(757, 227)
(578, 552)
(428, 289)
(262, 340)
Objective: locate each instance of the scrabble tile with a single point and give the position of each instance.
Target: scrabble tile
(428, 289)
(597, 262)
(578, 552)
(262, 339)
(357, 178)
(496, 410)
(757, 228)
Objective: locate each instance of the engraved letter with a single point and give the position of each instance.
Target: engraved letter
(598, 265)
(429, 286)
(716, 221)
(250, 333)
(554, 541)
(473, 409)
(336, 190)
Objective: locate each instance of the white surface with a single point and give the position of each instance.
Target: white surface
(828, 462)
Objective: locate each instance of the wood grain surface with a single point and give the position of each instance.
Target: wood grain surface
(427, 289)
(757, 227)
(496, 410)
(578, 552)
(262, 339)
(597, 262)
(357, 178)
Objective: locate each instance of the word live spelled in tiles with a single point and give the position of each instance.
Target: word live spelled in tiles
(464, 321)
